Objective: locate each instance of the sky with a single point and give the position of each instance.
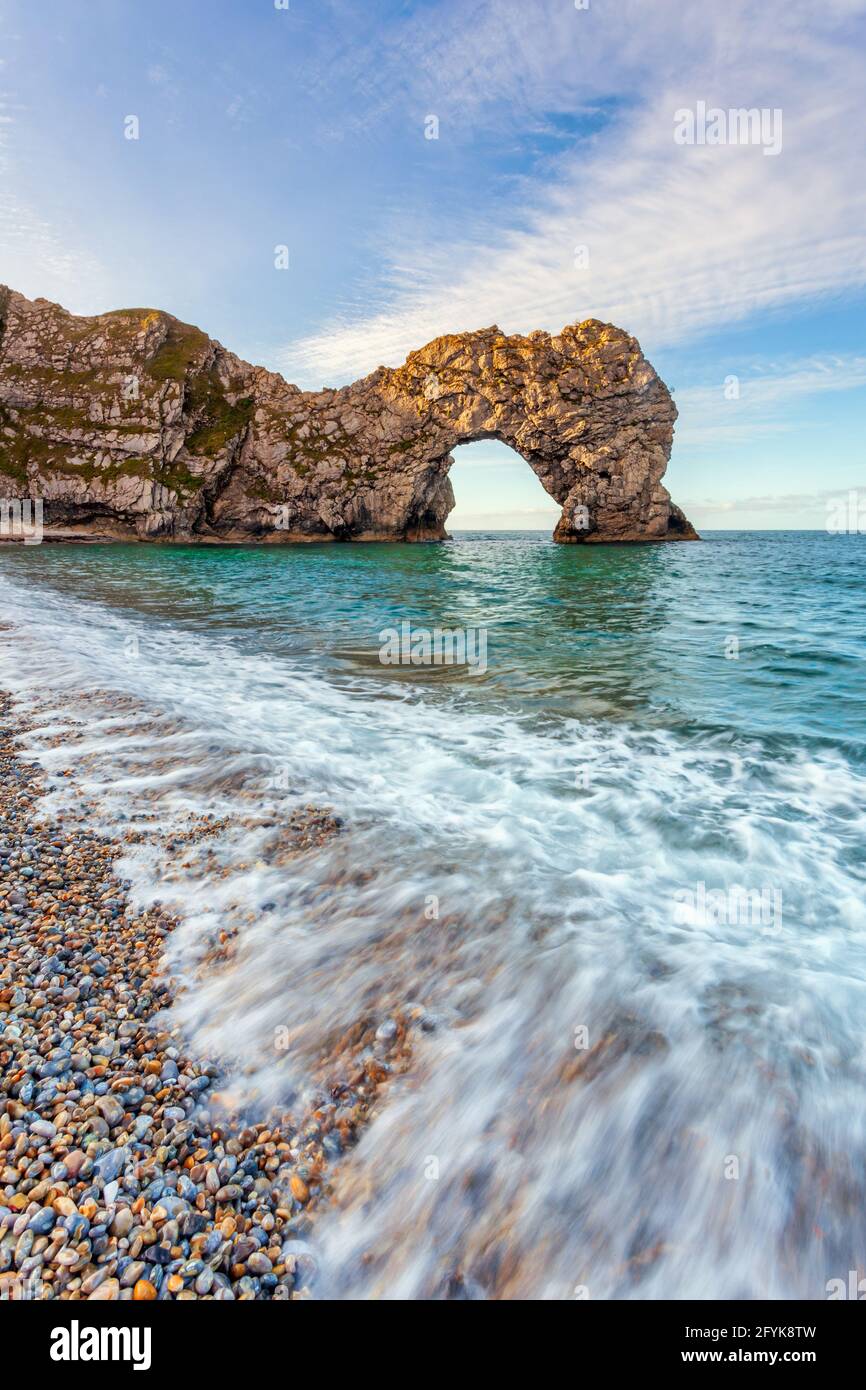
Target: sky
(435, 166)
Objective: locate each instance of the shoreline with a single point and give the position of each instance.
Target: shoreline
(121, 1176)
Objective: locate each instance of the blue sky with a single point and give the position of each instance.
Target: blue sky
(305, 127)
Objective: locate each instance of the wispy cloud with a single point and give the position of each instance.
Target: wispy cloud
(812, 504)
(680, 239)
(35, 256)
(739, 409)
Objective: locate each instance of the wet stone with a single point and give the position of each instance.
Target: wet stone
(115, 1181)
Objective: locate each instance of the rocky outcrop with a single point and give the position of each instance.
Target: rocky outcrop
(135, 425)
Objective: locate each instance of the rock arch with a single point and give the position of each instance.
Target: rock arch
(133, 423)
(584, 409)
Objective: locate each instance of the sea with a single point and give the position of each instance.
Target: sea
(604, 833)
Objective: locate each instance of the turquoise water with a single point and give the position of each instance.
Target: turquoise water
(572, 631)
(625, 1092)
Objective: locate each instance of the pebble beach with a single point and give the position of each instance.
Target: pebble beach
(122, 1174)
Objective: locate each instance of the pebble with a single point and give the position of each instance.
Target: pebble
(119, 1176)
(300, 1191)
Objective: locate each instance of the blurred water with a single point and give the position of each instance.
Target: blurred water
(623, 1094)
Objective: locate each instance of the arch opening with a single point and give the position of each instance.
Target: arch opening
(495, 489)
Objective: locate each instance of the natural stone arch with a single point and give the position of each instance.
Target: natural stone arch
(207, 446)
(584, 409)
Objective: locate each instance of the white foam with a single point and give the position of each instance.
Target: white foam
(713, 1040)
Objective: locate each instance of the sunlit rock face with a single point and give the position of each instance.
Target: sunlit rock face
(134, 425)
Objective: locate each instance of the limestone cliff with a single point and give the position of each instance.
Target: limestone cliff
(134, 425)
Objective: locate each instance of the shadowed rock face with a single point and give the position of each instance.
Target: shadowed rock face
(135, 425)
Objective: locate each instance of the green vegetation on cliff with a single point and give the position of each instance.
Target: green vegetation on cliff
(221, 422)
(183, 344)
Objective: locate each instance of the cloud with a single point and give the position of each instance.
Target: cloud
(809, 510)
(766, 502)
(767, 394)
(681, 239)
(35, 258)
